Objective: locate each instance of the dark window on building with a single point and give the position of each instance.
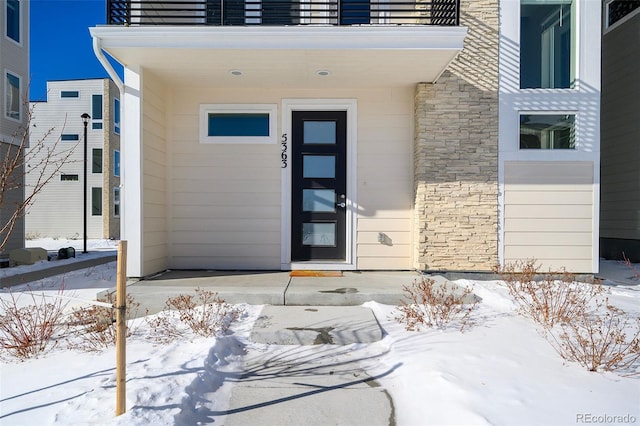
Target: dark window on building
(69, 137)
(96, 160)
(69, 94)
(618, 9)
(96, 201)
(68, 178)
(547, 44)
(547, 131)
(13, 20)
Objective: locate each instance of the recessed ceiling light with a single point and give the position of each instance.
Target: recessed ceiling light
(235, 72)
(323, 73)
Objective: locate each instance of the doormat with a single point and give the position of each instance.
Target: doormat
(306, 273)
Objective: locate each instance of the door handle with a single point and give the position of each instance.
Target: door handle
(343, 204)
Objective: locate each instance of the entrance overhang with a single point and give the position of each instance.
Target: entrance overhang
(296, 56)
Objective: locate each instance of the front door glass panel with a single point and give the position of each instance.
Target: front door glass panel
(319, 166)
(319, 200)
(319, 132)
(319, 234)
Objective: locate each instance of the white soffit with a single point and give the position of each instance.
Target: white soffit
(287, 56)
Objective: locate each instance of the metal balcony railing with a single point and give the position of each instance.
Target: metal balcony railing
(283, 12)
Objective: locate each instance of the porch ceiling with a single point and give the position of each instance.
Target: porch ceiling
(286, 56)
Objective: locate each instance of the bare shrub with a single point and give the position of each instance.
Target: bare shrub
(33, 329)
(94, 327)
(608, 341)
(204, 314)
(432, 305)
(550, 298)
(576, 317)
(631, 266)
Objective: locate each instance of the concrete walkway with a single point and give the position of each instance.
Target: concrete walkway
(27, 277)
(276, 288)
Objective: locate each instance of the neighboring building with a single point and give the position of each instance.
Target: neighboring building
(620, 164)
(57, 211)
(358, 135)
(14, 65)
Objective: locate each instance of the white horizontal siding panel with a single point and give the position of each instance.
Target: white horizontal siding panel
(548, 252)
(538, 211)
(245, 199)
(548, 225)
(384, 225)
(224, 225)
(235, 237)
(560, 264)
(384, 263)
(584, 197)
(383, 250)
(226, 212)
(393, 238)
(548, 238)
(226, 263)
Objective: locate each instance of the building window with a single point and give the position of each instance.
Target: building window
(618, 9)
(68, 178)
(116, 202)
(238, 123)
(69, 94)
(96, 112)
(12, 96)
(547, 131)
(547, 44)
(116, 116)
(13, 20)
(116, 163)
(96, 160)
(69, 137)
(96, 201)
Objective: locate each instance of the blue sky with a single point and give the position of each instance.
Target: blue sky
(61, 47)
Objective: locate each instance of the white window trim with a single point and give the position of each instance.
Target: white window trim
(206, 109)
(6, 26)
(6, 93)
(351, 107)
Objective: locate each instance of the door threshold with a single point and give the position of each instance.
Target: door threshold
(312, 273)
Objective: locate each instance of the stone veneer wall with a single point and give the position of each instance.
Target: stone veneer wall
(456, 153)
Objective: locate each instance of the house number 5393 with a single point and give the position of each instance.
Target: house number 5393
(283, 154)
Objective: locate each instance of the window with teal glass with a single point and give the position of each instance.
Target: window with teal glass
(238, 123)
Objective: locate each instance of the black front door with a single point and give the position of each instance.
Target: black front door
(319, 183)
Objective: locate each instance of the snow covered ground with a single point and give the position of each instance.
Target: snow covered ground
(499, 372)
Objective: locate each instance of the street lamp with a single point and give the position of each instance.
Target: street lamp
(85, 120)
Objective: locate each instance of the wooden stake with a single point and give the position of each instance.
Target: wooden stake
(121, 329)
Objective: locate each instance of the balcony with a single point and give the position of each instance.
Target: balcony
(283, 12)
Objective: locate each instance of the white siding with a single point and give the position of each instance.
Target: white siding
(549, 214)
(225, 200)
(154, 179)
